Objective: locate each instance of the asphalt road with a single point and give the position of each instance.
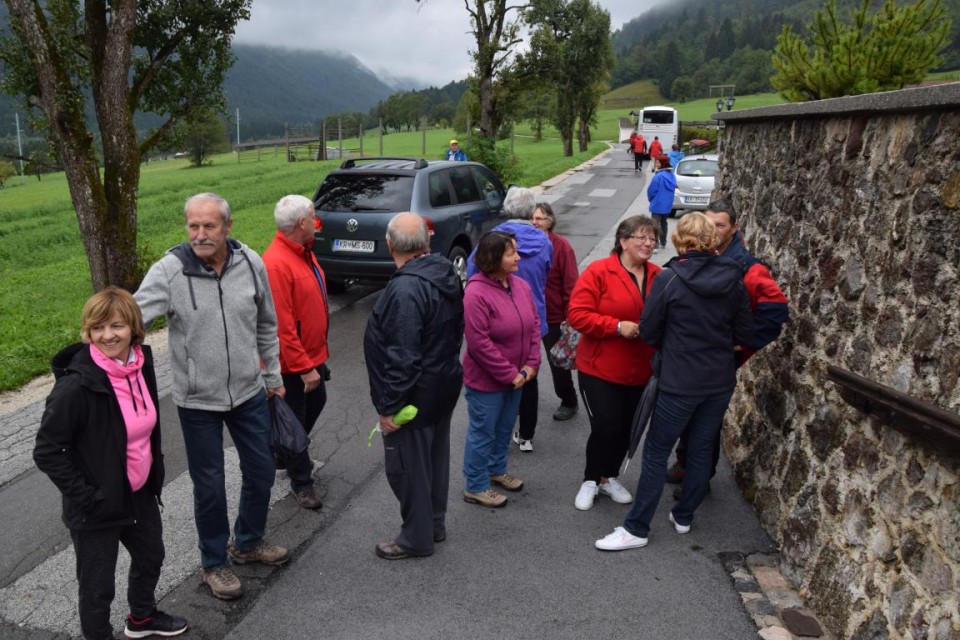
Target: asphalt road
(526, 571)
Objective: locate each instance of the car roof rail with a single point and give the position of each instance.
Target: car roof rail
(418, 163)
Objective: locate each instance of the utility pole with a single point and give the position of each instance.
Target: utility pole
(238, 135)
(19, 146)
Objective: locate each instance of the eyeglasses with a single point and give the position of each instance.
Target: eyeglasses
(644, 238)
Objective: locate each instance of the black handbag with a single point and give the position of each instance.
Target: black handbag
(288, 439)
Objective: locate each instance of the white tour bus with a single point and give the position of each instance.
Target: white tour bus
(658, 122)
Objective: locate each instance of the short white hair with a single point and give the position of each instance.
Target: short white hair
(520, 203)
(289, 210)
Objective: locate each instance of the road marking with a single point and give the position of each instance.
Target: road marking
(579, 178)
(46, 598)
(602, 193)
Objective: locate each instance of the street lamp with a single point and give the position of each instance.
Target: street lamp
(719, 104)
(730, 101)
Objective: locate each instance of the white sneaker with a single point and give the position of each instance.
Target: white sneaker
(516, 436)
(526, 446)
(620, 540)
(615, 490)
(681, 528)
(588, 491)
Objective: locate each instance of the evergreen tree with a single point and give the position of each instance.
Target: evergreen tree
(885, 51)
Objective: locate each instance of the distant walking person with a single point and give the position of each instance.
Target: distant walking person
(560, 282)
(455, 152)
(656, 149)
(639, 152)
(216, 297)
(412, 352)
(767, 301)
(660, 194)
(675, 155)
(300, 299)
(99, 442)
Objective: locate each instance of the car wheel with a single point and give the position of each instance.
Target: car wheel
(458, 256)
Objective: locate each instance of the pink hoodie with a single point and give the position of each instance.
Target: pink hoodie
(139, 414)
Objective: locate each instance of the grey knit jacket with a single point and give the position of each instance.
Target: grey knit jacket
(220, 327)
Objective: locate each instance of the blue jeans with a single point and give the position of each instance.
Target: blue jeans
(673, 413)
(249, 426)
(492, 416)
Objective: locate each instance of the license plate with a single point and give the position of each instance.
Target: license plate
(697, 199)
(355, 246)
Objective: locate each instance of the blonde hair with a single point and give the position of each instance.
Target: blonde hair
(695, 232)
(102, 305)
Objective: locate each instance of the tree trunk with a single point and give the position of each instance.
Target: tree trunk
(488, 105)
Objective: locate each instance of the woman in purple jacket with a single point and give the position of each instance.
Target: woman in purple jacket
(503, 353)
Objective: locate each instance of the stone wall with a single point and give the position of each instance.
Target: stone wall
(854, 204)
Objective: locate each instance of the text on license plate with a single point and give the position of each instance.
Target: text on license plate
(357, 246)
(697, 199)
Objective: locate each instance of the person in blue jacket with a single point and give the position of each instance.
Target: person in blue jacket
(455, 152)
(660, 194)
(675, 155)
(536, 259)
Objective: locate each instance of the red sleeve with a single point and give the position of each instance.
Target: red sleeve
(567, 263)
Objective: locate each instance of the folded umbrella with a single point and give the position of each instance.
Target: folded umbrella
(644, 413)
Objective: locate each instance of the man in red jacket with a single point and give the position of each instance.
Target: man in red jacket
(300, 297)
(767, 301)
(639, 146)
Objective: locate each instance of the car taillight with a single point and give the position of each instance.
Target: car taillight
(317, 224)
(430, 228)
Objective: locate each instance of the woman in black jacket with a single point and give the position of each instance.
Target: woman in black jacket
(697, 311)
(99, 442)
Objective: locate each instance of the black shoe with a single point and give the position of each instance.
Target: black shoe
(158, 624)
(675, 473)
(564, 412)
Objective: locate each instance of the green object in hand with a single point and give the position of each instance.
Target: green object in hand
(400, 418)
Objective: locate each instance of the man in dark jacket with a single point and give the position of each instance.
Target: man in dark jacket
(412, 351)
(767, 302)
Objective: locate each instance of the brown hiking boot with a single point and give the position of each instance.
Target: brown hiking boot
(308, 499)
(508, 482)
(264, 553)
(223, 582)
(486, 498)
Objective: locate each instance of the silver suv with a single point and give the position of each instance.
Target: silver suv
(460, 201)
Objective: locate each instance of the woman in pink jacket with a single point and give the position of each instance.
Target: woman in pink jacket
(503, 353)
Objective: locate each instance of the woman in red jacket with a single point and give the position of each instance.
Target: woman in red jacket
(613, 364)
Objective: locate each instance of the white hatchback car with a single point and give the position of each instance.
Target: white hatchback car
(695, 175)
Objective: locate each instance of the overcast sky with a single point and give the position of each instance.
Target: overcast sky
(428, 41)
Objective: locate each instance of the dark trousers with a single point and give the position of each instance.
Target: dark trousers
(703, 416)
(562, 378)
(97, 551)
(682, 451)
(417, 464)
(638, 161)
(610, 407)
(307, 407)
(661, 219)
(249, 426)
(529, 408)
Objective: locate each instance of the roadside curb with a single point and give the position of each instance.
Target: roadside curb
(769, 599)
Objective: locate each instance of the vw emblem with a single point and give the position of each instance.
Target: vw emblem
(352, 225)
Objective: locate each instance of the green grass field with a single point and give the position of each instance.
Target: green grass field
(44, 279)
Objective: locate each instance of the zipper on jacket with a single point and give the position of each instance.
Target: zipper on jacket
(226, 339)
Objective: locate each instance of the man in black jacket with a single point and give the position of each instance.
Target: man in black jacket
(412, 350)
